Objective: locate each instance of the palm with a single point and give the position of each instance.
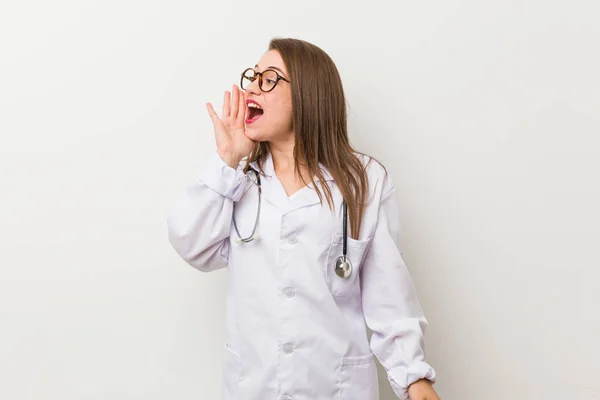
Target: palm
(229, 128)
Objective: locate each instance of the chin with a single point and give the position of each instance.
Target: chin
(254, 134)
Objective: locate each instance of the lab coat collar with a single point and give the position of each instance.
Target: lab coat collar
(269, 169)
(275, 193)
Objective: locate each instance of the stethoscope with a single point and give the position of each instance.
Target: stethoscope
(342, 267)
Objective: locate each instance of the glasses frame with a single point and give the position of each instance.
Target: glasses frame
(260, 78)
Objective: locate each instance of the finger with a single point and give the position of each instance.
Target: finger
(211, 111)
(226, 104)
(235, 101)
(242, 111)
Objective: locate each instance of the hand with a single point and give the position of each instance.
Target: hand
(422, 390)
(232, 143)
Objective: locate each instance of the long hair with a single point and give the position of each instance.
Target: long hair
(320, 125)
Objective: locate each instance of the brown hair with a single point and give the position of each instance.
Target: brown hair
(320, 125)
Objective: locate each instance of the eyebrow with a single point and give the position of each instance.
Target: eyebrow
(272, 67)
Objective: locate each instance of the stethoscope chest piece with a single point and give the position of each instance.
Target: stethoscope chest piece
(343, 267)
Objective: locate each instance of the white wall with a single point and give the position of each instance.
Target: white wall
(487, 113)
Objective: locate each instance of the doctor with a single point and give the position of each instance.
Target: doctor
(308, 229)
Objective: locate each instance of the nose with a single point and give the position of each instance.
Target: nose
(253, 88)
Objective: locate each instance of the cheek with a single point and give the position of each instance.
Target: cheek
(282, 105)
(286, 112)
(280, 115)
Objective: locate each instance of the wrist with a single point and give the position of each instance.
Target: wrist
(230, 159)
(423, 388)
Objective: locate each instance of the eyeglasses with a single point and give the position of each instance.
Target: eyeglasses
(267, 80)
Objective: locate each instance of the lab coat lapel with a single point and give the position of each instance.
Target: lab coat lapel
(273, 191)
(275, 194)
(307, 196)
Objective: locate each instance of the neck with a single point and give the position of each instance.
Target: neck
(283, 158)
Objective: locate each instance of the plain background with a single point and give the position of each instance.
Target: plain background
(485, 112)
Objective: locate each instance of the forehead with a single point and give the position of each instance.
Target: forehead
(271, 59)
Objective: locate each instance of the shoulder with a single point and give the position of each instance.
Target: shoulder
(378, 176)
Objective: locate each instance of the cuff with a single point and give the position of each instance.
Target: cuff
(401, 378)
(223, 179)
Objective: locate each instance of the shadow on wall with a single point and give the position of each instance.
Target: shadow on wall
(385, 390)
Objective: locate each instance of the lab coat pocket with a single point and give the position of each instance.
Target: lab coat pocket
(231, 374)
(358, 378)
(355, 251)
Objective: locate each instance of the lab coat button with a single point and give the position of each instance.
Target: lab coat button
(292, 240)
(288, 348)
(284, 397)
(289, 292)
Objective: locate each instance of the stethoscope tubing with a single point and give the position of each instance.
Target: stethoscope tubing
(342, 266)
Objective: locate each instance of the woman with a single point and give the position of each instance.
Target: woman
(300, 287)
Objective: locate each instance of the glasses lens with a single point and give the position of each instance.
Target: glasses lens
(247, 78)
(269, 79)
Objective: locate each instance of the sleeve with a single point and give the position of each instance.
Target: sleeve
(200, 221)
(390, 303)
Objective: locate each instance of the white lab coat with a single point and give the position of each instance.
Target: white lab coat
(294, 329)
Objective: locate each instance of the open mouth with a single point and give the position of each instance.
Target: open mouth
(254, 112)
